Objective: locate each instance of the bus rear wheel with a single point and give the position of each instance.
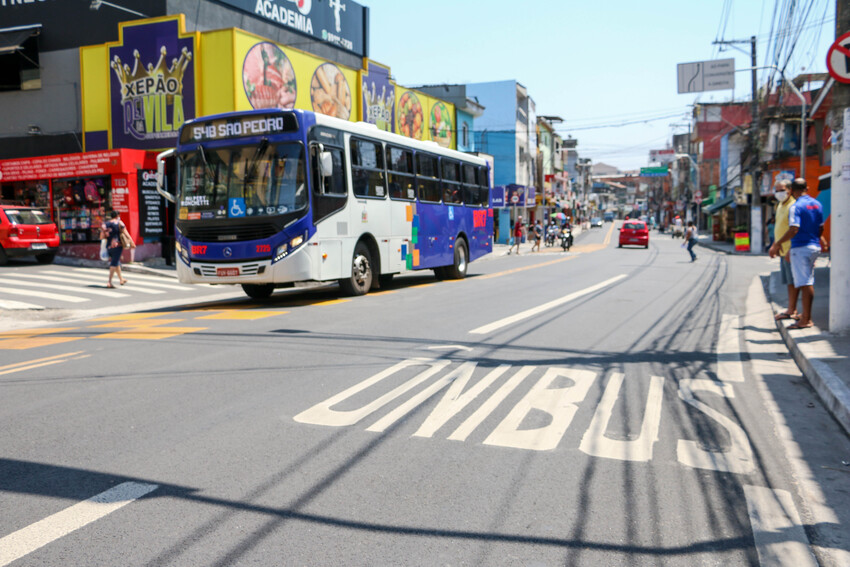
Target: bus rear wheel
(457, 271)
(258, 291)
(360, 280)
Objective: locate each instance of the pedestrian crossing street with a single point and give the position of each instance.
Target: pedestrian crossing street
(67, 287)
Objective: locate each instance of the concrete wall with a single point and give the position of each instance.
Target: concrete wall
(54, 108)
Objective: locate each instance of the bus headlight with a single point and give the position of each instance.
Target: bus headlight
(286, 248)
(281, 252)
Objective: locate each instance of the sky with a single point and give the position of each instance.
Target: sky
(600, 62)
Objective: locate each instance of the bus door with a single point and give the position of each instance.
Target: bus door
(402, 192)
(369, 185)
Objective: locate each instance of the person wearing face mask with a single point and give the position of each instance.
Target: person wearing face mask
(783, 208)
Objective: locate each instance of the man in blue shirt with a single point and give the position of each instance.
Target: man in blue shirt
(805, 231)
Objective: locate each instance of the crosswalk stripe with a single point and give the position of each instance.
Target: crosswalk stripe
(90, 291)
(100, 279)
(153, 281)
(9, 304)
(66, 279)
(45, 295)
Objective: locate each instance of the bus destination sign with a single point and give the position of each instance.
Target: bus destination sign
(238, 127)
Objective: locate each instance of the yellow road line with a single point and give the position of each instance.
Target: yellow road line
(515, 270)
(37, 360)
(607, 240)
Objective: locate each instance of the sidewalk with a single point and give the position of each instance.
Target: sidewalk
(823, 357)
(705, 241)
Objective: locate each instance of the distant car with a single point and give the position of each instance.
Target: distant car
(608, 217)
(634, 233)
(25, 231)
(596, 221)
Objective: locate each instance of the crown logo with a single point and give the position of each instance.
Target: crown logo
(155, 79)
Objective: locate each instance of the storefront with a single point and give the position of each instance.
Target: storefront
(77, 190)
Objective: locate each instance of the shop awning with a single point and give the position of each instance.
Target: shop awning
(725, 202)
(11, 39)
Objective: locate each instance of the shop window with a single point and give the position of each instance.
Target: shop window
(81, 206)
(19, 61)
(34, 194)
(367, 169)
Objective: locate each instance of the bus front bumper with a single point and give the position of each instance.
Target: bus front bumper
(293, 268)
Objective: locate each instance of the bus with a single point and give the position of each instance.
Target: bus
(267, 198)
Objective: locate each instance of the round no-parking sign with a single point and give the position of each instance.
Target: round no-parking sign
(838, 59)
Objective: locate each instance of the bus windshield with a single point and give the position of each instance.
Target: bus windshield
(243, 181)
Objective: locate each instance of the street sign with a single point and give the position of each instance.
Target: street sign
(838, 59)
(702, 76)
(515, 199)
(653, 171)
(698, 195)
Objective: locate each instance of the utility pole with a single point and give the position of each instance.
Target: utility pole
(839, 281)
(756, 230)
(755, 220)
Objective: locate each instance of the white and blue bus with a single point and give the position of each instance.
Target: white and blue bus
(267, 198)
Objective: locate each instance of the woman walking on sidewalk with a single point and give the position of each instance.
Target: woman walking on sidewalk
(112, 231)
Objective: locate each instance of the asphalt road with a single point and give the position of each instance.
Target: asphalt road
(603, 407)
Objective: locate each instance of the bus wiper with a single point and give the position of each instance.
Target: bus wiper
(207, 168)
(255, 161)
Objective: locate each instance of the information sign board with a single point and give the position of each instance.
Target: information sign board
(702, 76)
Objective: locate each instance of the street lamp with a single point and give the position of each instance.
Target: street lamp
(96, 4)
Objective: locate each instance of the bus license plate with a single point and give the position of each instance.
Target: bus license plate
(226, 272)
(39, 246)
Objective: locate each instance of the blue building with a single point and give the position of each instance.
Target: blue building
(508, 131)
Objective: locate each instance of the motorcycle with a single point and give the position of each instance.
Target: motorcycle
(566, 239)
(550, 237)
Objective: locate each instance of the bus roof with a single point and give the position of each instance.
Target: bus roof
(360, 128)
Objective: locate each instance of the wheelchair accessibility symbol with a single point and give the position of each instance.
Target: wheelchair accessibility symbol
(236, 207)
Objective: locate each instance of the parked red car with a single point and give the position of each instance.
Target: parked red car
(634, 233)
(25, 231)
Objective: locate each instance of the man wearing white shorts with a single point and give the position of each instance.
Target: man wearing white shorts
(805, 231)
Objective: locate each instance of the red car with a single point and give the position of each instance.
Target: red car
(634, 233)
(25, 231)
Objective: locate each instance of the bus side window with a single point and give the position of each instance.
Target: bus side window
(400, 174)
(428, 178)
(329, 194)
(367, 169)
(451, 181)
(470, 184)
(483, 187)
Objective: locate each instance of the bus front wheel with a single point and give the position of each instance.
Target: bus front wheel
(457, 271)
(361, 272)
(258, 291)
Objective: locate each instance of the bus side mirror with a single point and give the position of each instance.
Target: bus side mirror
(160, 175)
(326, 164)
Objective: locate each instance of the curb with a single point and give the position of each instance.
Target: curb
(725, 250)
(832, 390)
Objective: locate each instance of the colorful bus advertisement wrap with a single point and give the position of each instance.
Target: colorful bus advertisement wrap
(152, 83)
(274, 76)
